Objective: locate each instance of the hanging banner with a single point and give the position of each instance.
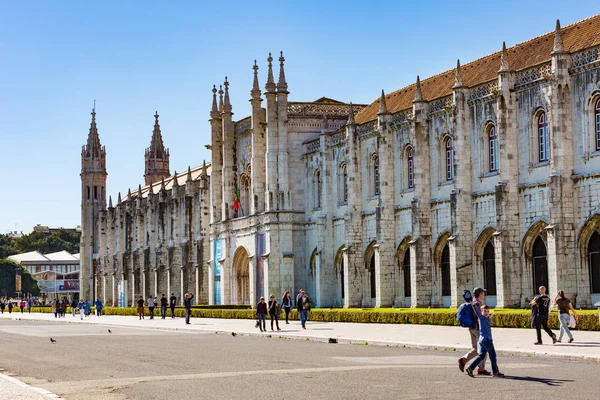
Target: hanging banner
(121, 294)
(18, 282)
(218, 251)
(261, 247)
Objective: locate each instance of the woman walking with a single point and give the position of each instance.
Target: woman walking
(54, 304)
(286, 303)
(564, 305)
(140, 307)
(274, 311)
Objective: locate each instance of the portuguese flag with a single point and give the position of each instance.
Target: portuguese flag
(236, 198)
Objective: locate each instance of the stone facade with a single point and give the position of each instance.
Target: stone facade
(485, 175)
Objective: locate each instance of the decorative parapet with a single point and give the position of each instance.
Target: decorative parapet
(243, 125)
(483, 91)
(319, 109)
(534, 74)
(441, 104)
(585, 57)
(366, 128)
(402, 116)
(313, 145)
(337, 137)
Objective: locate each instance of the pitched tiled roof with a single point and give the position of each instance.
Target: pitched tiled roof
(576, 37)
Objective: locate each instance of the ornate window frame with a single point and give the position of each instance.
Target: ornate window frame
(317, 189)
(375, 183)
(342, 186)
(492, 148)
(542, 136)
(447, 155)
(409, 156)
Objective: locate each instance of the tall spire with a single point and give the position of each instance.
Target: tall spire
(458, 78)
(504, 60)
(162, 184)
(281, 84)
(558, 43)
(175, 181)
(189, 173)
(119, 201)
(157, 156)
(140, 190)
(382, 105)
(351, 115)
(418, 95)
(129, 194)
(204, 170)
(220, 98)
(270, 85)
(110, 202)
(157, 147)
(214, 112)
(93, 147)
(255, 92)
(226, 102)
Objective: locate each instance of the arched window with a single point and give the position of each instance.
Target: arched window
(317, 189)
(88, 192)
(543, 137)
(375, 167)
(446, 286)
(489, 269)
(343, 184)
(594, 256)
(410, 168)
(449, 158)
(493, 148)
(597, 120)
(406, 272)
(540, 265)
(372, 276)
(245, 200)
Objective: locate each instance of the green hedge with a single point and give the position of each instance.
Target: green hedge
(588, 320)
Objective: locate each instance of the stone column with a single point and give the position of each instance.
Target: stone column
(252, 278)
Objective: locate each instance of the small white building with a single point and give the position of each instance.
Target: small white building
(57, 273)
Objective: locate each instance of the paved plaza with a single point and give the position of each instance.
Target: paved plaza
(165, 359)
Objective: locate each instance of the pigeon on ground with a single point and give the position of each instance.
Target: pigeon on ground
(233, 334)
(52, 340)
(109, 331)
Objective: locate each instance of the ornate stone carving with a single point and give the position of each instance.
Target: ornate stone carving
(441, 104)
(313, 145)
(366, 128)
(533, 74)
(320, 109)
(481, 91)
(402, 116)
(586, 57)
(337, 138)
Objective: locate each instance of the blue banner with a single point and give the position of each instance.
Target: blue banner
(218, 255)
(261, 246)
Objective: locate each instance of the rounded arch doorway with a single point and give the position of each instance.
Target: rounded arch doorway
(241, 277)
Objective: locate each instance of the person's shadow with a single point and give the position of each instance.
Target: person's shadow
(547, 381)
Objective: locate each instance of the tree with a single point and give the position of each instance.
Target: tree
(7, 279)
(58, 241)
(7, 247)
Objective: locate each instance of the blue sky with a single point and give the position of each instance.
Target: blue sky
(137, 57)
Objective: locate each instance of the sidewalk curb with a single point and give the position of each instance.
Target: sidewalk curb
(43, 392)
(352, 341)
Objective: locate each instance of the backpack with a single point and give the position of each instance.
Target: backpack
(465, 315)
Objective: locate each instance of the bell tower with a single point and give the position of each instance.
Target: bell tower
(93, 200)
(157, 157)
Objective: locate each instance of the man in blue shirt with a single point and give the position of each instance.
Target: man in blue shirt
(98, 305)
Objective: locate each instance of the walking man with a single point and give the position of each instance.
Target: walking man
(187, 303)
(99, 307)
(151, 306)
(163, 306)
(29, 305)
(478, 296)
(172, 303)
(303, 308)
(540, 305)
